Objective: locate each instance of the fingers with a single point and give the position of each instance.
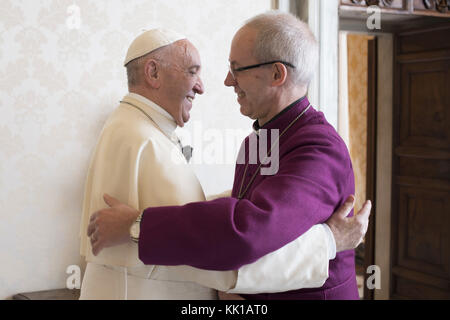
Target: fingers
(93, 216)
(96, 243)
(94, 237)
(365, 210)
(362, 218)
(110, 201)
(91, 227)
(358, 243)
(363, 214)
(345, 209)
(96, 248)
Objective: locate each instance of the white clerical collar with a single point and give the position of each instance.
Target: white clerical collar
(162, 118)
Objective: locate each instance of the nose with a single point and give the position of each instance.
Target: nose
(229, 80)
(199, 88)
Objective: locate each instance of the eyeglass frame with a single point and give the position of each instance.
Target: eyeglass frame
(257, 66)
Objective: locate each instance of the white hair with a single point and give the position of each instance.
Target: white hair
(135, 68)
(282, 36)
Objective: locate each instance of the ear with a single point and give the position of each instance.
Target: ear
(152, 73)
(279, 74)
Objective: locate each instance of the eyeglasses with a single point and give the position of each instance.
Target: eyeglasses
(233, 71)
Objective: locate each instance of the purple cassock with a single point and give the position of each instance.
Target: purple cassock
(315, 177)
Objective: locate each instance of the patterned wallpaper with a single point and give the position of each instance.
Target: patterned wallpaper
(61, 75)
(357, 105)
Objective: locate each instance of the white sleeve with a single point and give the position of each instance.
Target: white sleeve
(224, 194)
(303, 263)
(331, 242)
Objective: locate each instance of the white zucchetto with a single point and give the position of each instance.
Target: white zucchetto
(151, 40)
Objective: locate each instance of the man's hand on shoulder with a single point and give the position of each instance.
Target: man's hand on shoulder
(349, 232)
(111, 226)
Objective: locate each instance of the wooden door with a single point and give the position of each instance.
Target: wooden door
(372, 66)
(420, 256)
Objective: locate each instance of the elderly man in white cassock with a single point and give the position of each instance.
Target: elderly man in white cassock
(139, 161)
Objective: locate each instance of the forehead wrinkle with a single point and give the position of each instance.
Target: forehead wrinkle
(184, 52)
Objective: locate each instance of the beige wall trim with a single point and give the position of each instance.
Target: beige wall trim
(343, 117)
(323, 18)
(384, 162)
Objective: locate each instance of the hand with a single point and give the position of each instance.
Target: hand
(111, 226)
(349, 232)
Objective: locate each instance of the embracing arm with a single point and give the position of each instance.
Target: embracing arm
(303, 261)
(264, 275)
(226, 233)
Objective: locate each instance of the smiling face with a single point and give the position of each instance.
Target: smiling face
(180, 81)
(252, 86)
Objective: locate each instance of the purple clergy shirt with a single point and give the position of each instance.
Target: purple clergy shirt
(315, 177)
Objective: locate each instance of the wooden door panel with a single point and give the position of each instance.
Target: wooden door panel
(424, 231)
(406, 288)
(424, 168)
(423, 40)
(420, 255)
(424, 117)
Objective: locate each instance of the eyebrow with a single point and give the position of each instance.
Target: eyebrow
(233, 63)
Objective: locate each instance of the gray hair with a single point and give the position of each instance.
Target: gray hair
(282, 36)
(135, 68)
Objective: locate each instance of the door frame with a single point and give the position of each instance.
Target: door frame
(381, 226)
(371, 152)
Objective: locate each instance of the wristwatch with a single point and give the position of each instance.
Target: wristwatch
(135, 228)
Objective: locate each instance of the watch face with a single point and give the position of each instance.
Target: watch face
(135, 230)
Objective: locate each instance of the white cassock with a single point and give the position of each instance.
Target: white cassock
(138, 161)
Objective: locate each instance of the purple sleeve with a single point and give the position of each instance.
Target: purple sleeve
(226, 233)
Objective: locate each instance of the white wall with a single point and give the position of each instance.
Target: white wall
(57, 85)
(323, 19)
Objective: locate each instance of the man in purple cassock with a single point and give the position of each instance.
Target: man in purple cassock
(301, 173)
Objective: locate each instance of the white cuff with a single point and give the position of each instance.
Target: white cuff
(331, 242)
(302, 263)
(224, 194)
